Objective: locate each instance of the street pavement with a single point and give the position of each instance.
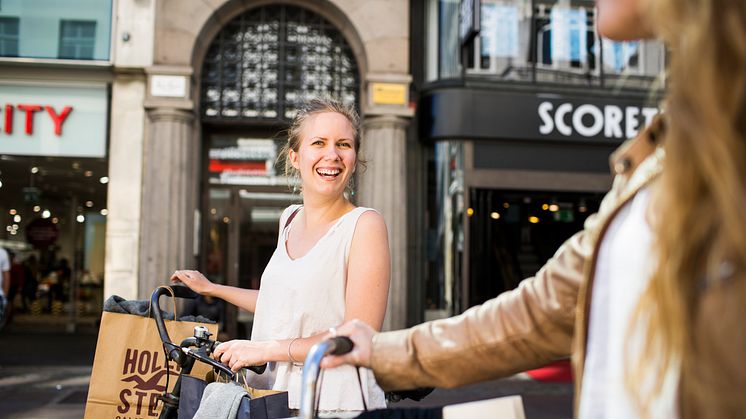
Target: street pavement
(45, 372)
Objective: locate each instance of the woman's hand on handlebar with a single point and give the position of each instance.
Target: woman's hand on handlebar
(237, 354)
(194, 280)
(362, 336)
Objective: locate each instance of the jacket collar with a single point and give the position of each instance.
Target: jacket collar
(625, 160)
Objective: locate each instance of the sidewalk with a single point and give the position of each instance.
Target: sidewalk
(45, 372)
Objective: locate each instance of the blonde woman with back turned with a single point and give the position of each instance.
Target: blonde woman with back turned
(650, 298)
(331, 264)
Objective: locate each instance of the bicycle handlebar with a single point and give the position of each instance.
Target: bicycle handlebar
(338, 345)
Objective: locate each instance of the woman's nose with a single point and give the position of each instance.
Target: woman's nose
(331, 152)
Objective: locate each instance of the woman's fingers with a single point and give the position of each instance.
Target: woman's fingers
(237, 354)
(192, 279)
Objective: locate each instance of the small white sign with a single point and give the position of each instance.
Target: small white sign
(168, 86)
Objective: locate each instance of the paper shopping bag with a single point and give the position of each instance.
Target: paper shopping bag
(128, 369)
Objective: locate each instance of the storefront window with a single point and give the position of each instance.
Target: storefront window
(545, 41)
(53, 191)
(73, 29)
(445, 237)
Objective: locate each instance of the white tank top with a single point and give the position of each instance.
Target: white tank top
(303, 297)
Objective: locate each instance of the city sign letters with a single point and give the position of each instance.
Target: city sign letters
(58, 117)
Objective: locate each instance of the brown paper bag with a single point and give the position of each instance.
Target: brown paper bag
(128, 369)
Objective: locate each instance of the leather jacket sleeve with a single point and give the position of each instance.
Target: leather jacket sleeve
(518, 330)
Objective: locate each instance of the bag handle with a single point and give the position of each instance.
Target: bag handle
(173, 300)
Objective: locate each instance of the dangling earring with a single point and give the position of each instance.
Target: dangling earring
(295, 179)
(350, 187)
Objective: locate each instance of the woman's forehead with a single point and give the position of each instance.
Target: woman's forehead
(332, 125)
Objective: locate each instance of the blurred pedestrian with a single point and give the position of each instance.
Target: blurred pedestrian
(17, 277)
(30, 283)
(4, 282)
(657, 320)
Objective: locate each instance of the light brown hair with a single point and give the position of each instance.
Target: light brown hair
(314, 107)
(700, 204)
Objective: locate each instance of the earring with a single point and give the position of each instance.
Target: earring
(295, 181)
(349, 188)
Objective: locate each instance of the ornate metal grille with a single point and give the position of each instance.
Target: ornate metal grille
(267, 62)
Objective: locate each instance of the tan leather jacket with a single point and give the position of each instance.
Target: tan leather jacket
(544, 319)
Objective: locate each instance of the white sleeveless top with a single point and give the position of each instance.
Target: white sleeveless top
(303, 297)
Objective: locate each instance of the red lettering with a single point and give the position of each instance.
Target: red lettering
(139, 395)
(130, 360)
(58, 119)
(125, 406)
(153, 404)
(29, 109)
(8, 119)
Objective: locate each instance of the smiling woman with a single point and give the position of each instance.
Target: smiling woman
(331, 265)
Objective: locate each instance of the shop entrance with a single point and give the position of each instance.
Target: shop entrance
(246, 194)
(513, 233)
(53, 212)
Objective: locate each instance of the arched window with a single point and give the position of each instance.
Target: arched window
(268, 61)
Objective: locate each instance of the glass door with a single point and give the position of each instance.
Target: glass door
(244, 202)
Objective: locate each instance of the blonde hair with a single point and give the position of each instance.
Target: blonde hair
(314, 107)
(701, 212)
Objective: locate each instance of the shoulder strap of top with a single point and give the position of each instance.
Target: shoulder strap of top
(290, 219)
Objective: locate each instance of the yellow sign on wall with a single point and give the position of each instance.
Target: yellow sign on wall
(389, 93)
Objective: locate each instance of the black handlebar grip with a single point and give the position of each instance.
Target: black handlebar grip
(259, 369)
(181, 291)
(341, 345)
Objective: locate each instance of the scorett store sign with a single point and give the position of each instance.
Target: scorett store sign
(38, 120)
(470, 114)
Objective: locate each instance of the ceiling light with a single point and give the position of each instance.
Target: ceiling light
(45, 214)
(80, 218)
(37, 208)
(12, 211)
(470, 211)
(55, 220)
(104, 211)
(34, 170)
(88, 204)
(17, 218)
(104, 180)
(495, 215)
(88, 173)
(533, 220)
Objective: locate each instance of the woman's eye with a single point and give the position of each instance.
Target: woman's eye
(317, 142)
(345, 145)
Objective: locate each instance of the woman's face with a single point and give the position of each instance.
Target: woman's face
(326, 154)
(622, 20)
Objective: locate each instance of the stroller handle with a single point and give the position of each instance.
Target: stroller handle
(339, 345)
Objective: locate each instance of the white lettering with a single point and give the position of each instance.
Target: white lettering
(559, 119)
(598, 120)
(630, 121)
(613, 122)
(649, 113)
(547, 125)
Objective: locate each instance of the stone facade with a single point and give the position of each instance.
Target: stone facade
(155, 139)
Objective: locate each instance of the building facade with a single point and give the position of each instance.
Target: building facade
(518, 110)
(55, 75)
(199, 93)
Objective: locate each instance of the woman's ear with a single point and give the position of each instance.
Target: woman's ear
(293, 156)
